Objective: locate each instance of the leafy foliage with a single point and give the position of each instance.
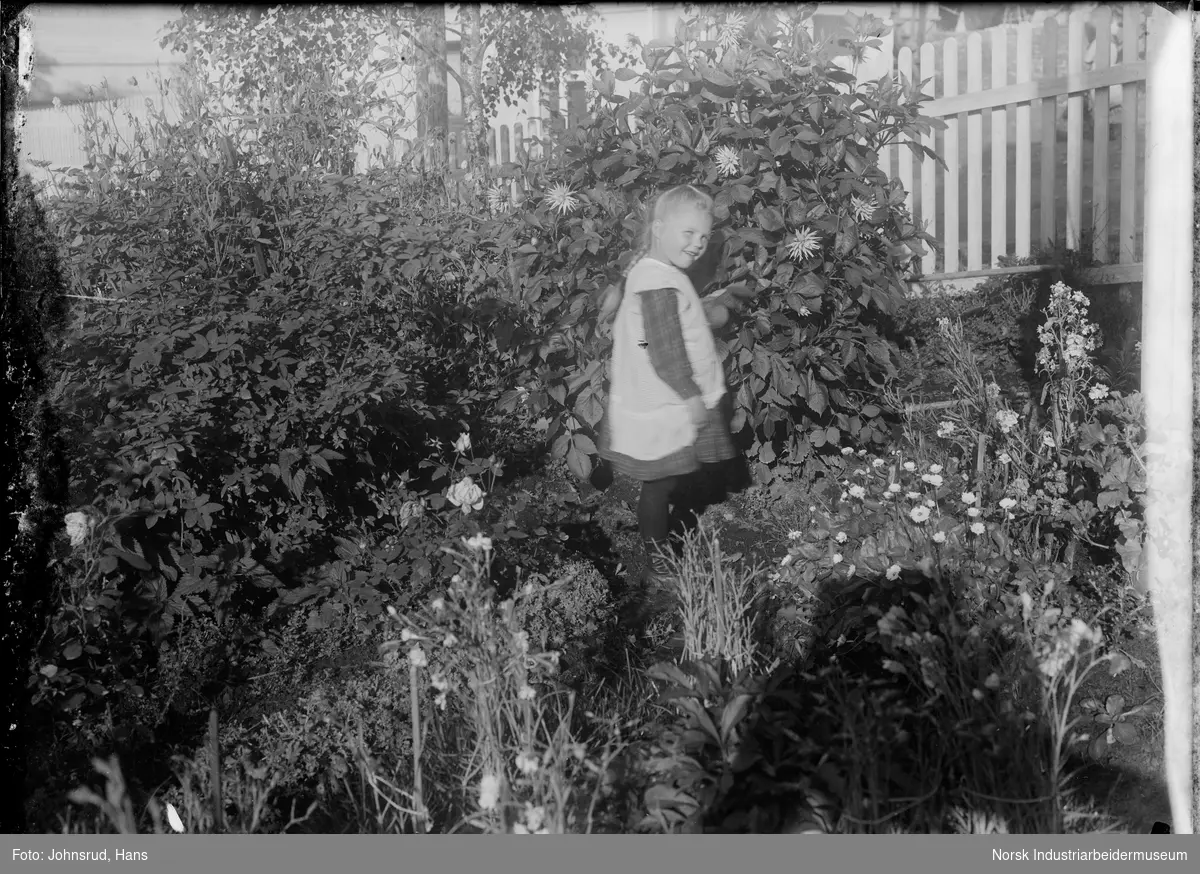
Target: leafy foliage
(786, 143)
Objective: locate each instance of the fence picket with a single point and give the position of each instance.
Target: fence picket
(1024, 171)
(1127, 234)
(950, 143)
(1100, 168)
(999, 149)
(1047, 203)
(974, 156)
(904, 155)
(929, 166)
(1074, 131)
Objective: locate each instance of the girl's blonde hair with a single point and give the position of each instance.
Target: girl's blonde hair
(656, 209)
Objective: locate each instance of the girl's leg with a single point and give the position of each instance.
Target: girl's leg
(654, 506)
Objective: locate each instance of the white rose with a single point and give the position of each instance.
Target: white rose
(79, 526)
(466, 494)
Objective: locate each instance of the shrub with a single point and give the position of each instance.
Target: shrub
(804, 217)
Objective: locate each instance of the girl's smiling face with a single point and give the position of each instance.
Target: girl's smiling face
(681, 236)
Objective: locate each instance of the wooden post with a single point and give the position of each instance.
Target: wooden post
(1167, 389)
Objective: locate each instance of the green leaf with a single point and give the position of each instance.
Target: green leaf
(72, 650)
(732, 715)
(135, 561)
(579, 464)
(1125, 733)
(769, 219)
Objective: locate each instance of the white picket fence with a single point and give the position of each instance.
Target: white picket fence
(1039, 183)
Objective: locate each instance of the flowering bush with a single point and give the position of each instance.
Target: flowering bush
(1082, 478)
(804, 219)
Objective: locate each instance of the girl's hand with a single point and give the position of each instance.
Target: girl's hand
(734, 298)
(697, 411)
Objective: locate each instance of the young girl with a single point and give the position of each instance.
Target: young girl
(663, 419)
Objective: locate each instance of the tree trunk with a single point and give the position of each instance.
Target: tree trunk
(475, 119)
(433, 111)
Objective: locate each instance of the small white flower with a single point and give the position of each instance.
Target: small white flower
(795, 535)
(561, 198)
(1098, 392)
(973, 512)
(489, 792)
(521, 639)
(438, 605)
(731, 31)
(79, 526)
(933, 479)
(439, 682)
(919, 514)
(935, 468)
(805, 312)
(939, 537)
(862, 453)
(913, 496)
(840, 537)
(416, 657)
(1004, 458)
(968, 497)
(893, 487)
(479, 543)
(858, 492)
(728, 162)
(1026, 604)
(1006, 420)
(526, 693)
(977, 528)
(945, 429)
(1007, 503)
(804, 244)
(930, 503)
(863, 208)
(893, 572)
(846, 450)
(837, 558)
(786, 560)
(498, 197)
(463, 444)
(850, 571)
(909, 466)
(527, 763)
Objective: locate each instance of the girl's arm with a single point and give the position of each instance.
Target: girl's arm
(664, 341)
